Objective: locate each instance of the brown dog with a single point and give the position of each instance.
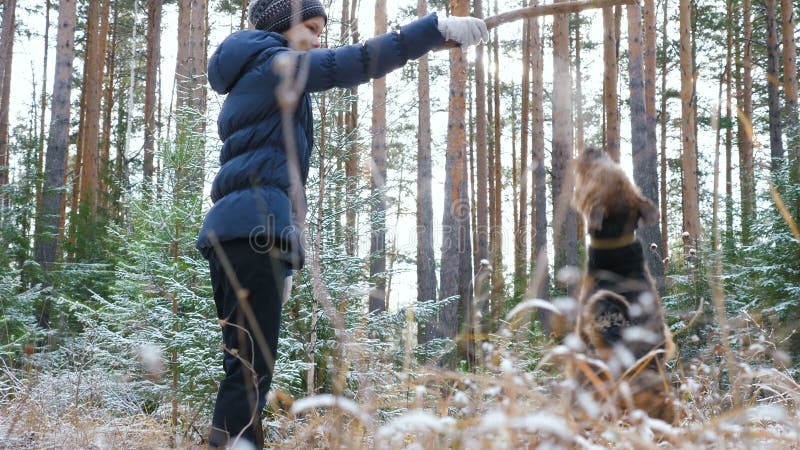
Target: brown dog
(620, 318)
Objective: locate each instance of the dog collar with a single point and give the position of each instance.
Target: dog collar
(608, 244)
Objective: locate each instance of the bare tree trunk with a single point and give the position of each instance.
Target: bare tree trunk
(715, 124)
(457, 246)
(578, 105)
(498, 282)
(645, 171)
(792, 121)
(521, 232)
(90, 183)
(152, 60)
(652, 140)
(729, 127)
(104, 144)
(773, 87)
(579, 127)
(481, 211)
(197, 72)
(746, 175)
(377, 251)
(426, 264)
(691, 213)
(514, 166)
(48, 222)
(6, 54)
(182, 65)
(540, 286)
(564, 224)
(610, 76)
(243, 17)
(663, 126)
(353, 158)
(43, 105)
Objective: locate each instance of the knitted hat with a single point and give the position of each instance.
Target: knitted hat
(276, 15)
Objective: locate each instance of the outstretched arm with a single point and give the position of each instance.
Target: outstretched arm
(356, 64)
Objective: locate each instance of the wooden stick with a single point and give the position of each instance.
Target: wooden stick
(552, 9)
(545, 10)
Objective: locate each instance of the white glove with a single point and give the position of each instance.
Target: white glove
(466, 31)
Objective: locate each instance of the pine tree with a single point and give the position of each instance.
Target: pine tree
(645, 173)
(610, 101)
(564, 224)
(426, 264)
(153, 58)
(540, 286)
(6, 56)
(521, 229)
(377, 268)
(773, 86)
(47, 223)
(691, 213)
(481, 187)
(789, 51)
(746, 175)
(456, 273)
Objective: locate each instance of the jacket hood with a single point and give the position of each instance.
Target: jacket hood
(235, 55)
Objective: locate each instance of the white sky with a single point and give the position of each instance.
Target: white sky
(28, 57)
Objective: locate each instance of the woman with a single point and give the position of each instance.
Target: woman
(251, 236)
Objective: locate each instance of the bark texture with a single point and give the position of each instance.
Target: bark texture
(377, 267)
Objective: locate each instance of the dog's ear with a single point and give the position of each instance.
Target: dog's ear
(648, 213)
(595, 217)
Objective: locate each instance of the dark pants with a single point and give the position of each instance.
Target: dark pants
(250, 337)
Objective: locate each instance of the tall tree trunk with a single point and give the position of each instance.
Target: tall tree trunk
(498, 281)
(521, 232)
(691, 213)
(578, 105)
(579, 127)
(183, 64)
(112, 193)
(729, 128)
(652, 140)
(773, 86)
(43, 106)
(610, 75)
(456, 274)
(540, 286)
(122, 167)
(197, 73)
(663, 127)
(514, 165)
(792, 121)
(377, 251)
(353, 159)
(93, 73)
(426, 264)
(6, 54)
(198, 60)
(564, 224)
(103, 144)
(715, 124)
(152, 60)
(481, 186)
(47, 224)
(645, 158)
(746, 175)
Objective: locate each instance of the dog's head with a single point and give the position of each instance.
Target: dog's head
(609, 202)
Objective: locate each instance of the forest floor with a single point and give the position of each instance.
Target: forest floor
(504, 405)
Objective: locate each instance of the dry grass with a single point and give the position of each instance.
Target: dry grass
(507, 404)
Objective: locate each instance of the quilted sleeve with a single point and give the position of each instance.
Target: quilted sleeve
(356, 64)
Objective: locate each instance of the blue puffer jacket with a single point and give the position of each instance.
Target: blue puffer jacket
(250, 192)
